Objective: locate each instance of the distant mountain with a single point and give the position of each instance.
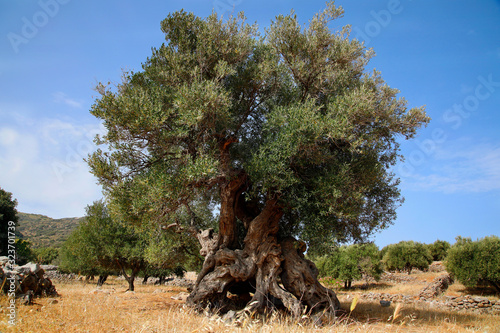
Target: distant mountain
(43, 231)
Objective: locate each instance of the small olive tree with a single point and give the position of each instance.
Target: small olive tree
(46, 255)
(8, 212)
(406, 255)
(352, 262)
(102, 244)
(439, 249)
(475, 262)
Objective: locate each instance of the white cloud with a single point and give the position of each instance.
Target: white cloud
(41, 163)
(8, 136)
(464, 167)
(17, 149)
(60, 97)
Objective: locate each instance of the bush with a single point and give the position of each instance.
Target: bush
(439, 249)
(46, 255)
(406, 255)
(8, 212)
(475, 263)
(352, 262)
(24, 253)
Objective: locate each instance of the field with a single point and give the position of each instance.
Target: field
(83, 308)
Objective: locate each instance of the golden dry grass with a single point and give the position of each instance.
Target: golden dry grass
(81, 309)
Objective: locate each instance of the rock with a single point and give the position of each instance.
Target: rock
(26, 299)
(99, 291)
(52, 301)
(48, 268)
(229, 317)
(4, 260)
(30, 268)
(439, 285)
(181, 296)
(396, 278)
(180, 282)
(480, 300)
(385, 304)
(437, 266)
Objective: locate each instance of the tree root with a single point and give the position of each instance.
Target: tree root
(238, 272)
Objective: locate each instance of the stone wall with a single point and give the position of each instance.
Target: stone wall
(438, 286)
(26, 281)
(451, 303)
(474, 304)
(430, 295)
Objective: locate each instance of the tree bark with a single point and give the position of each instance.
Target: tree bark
(227, 225)
(135, 268)
(259, 266)
(101, 280)
(495, 285)
(130, 279)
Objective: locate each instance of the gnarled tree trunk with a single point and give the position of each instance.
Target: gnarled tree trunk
(102, 279)
(266, 271)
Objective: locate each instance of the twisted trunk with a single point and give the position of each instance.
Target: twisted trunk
(134, 269)
(265, 272)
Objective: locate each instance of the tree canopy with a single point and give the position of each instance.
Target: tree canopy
(285, 133)
(439, 249)
(103, 244)
(8, 212)
(475, 262)
(293, 110)
(406, 255)
(352, 262)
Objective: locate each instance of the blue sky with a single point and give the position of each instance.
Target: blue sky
(442, 54)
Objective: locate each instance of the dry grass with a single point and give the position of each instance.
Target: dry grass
(80, 309)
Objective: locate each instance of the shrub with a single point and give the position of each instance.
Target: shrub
(46, 255)
(24, 253)
(352, 262)
(406, 255)
(475, 263)
(439, 249)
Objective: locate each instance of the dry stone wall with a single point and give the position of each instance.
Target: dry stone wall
(438, 286)
(25, 281)
(430, 296)
(451, 303)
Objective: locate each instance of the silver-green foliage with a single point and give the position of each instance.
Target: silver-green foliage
(302, 118)
(475, 262)
(439, 249)
(406, 255)
(353, 262)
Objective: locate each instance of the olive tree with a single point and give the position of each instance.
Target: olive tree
(439, 249)
(406, 255)
(286, 132)
(353, 262)
(102, 244)
(475, 262)
(8, 213)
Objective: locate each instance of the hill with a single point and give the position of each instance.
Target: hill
(43, 231)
